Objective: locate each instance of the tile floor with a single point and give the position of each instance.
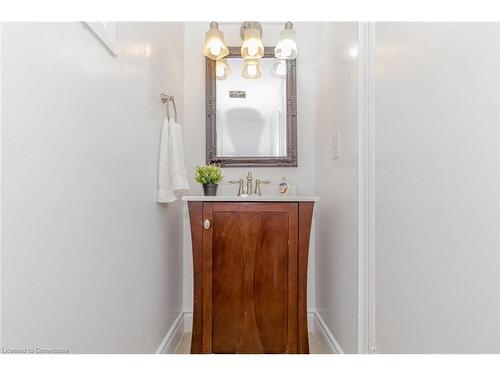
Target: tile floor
(185, 344)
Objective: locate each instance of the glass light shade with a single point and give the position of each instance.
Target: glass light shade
(287, 46)
(252, 46)
(251, 68)
(215, 47)
(279, 69)
(222, 69)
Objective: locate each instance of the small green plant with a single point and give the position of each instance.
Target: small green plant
(208, 174)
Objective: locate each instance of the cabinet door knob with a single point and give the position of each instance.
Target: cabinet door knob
(206, 224)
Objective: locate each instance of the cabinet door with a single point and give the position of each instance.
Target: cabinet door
(250, 277)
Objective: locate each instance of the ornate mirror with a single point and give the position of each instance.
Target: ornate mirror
(251, 122)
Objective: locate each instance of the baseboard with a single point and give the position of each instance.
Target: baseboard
(310, 320)
(173, 336)
(324, 335)
(188, 321)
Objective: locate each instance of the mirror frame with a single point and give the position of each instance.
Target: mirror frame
(290, 160)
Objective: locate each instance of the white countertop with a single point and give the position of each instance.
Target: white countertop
(251, 198)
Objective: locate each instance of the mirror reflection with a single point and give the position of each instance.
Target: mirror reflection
(251, 113)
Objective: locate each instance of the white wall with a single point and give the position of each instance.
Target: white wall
(90, 262)
(337, 181)
(437, 187)
(194, 124)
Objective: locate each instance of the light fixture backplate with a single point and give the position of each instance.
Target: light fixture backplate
(250, 25)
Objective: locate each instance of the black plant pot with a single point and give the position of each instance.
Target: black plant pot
(210, 190)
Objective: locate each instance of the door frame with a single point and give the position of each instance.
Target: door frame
(366, 188)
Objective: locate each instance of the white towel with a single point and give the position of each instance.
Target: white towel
(172, 177)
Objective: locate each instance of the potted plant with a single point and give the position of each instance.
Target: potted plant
(209, 176)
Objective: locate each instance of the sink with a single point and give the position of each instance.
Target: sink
(270, 193)
(270, 190)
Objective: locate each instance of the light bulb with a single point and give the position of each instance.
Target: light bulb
(219, 70)
(279, 69)
(222, 69)
(284, 48)
(215, 48)
(252, 44)
(287, 46)
(252, 70)
(252, 48)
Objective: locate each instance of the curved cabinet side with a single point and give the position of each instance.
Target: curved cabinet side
(305, 219)
(196, 221)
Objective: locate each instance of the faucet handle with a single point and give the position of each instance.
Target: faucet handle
(240, 185)
(257, 185)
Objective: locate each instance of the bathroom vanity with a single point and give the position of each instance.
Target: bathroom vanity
(250, 273)
(249, 251)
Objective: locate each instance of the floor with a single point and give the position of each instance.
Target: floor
(185, 344)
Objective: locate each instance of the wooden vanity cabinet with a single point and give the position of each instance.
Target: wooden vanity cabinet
(250, 276)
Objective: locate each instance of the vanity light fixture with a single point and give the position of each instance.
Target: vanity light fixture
(252, 49)
(222, 69)
(287, 45)
(279, 69)
(251, 68)
(215, 47)
(251, 33)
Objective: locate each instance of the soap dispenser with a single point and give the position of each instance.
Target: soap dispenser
(283, 187)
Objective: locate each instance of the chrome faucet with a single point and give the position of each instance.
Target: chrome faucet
(249, 185)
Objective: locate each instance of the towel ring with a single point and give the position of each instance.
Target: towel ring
(167, 99)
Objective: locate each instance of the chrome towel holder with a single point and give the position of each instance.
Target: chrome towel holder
(167, 99)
